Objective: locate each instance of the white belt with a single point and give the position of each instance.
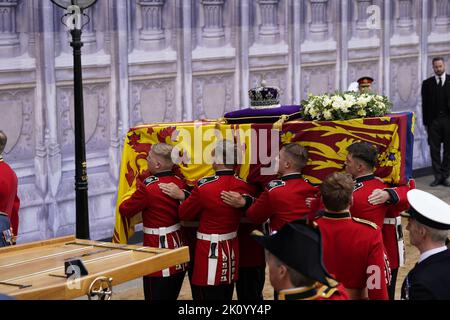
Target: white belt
(216, 237)
(399, 235)
(214, 251)
(162, 233)
(394, 221)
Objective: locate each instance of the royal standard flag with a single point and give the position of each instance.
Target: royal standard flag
(258, 146)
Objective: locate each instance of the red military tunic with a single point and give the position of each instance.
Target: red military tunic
(282, 201)
(9, 200)
(361, 208)
(351, 249)
(217, 249)
(392, 232)
(316, 292)
(159, 211)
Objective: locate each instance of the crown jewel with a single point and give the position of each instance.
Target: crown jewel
(264, 97)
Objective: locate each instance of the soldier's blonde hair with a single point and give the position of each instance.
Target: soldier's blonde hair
(163, 151)
(297, 153)
(225, 152)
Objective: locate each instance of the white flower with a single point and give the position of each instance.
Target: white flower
(349, 98)
(363, 100)
(362, 112)
(313, 112)
(327, 115)
(345, 106)
(338, 102)
(326, 101)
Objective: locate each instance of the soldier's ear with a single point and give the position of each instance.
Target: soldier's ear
(282, 271)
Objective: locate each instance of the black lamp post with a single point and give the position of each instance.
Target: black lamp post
(74, 10)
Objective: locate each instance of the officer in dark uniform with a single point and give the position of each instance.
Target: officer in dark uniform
(6, 236)
(364, 84)
(294, 258)
(428, 226)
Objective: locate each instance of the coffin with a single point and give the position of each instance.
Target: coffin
(326, 142)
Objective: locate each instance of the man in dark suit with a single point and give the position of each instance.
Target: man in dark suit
(436, 119)
(428, 226)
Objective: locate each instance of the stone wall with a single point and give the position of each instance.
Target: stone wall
(147, 61)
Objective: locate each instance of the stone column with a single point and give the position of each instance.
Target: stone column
(361, 18)
(442, 16)
(269, 30)
(89, 36)
(152, 33)
(213, 31)
(405, 18)
(319, 24)
(9, 38)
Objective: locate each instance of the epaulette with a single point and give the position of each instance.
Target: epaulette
(239, 178)
(275, 184)
(357, 186)
(369, 223)
(206, 180)
(150, 180)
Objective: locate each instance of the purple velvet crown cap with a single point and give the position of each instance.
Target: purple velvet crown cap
(271, 115)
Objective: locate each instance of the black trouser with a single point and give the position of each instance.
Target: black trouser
(223, 292)
(439, 132)
(250, 284)
(163, 288)
(391, 289)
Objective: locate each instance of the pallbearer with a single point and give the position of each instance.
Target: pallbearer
(216, 258)
(160, 220)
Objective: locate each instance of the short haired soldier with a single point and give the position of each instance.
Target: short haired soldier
(283, 200)
(351, 263)
(160, 220)
(216, 259)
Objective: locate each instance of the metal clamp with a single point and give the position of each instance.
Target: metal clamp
(101, 288)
